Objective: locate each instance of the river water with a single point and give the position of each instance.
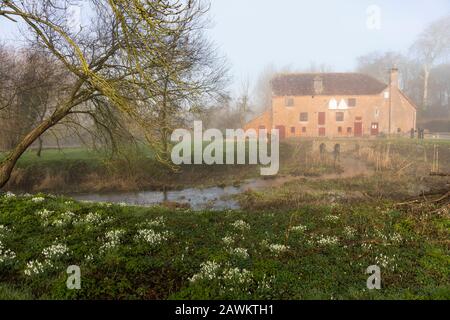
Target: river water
(212, 198)
(216, 198)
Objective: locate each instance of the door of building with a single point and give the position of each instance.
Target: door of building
(374, 129)
(358, 129)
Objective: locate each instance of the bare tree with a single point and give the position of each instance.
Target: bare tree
(432, 46)
(109, 61)
(263, 89)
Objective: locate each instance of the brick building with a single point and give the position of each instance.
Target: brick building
(336, 105)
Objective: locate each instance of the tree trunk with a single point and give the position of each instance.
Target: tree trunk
(39, 150)
(426, 78)
(7, 165)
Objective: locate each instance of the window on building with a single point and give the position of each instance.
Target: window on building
(352, 102)
(358, 119)
(377, 113)
(339, 116)
(289, 102)
(304, 129)
(304, 116)
(399, 130)
(349, 130)
(339, 129)
(293, 130)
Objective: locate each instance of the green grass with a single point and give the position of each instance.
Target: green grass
(414, 242)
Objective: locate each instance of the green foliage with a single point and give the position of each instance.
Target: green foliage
(313, 252)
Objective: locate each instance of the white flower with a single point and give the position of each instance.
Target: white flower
(386, 262)
(94, 219)
(327, 240)
(34, 267)
(55, 251)
(349, 232)
(265, 283)
(237, 276)
(38, 199)
(45, 216)
(208, 270)
(4, 229)
(331, 218)
(158, 222)
(241, 225)
(112, 239)
(64, 219)
(123, 204)
(396, 238)
(6, 254)
(300, 228)
(278, 248)
(239, 252)
(228, 240)
(151, 237)
(9, 195)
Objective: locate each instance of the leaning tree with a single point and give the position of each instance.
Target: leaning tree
(117, 63)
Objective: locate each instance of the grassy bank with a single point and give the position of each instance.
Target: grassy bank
(313, 252)
(83, 170)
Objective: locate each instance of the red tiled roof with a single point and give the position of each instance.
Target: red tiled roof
(303, 84)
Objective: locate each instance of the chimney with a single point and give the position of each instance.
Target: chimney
(394, 78)
(318, 85)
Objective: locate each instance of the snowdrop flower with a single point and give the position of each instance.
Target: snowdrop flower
(112, 239)
(158, 222)
(386, 262)
(6, 254)
(331, 218)
(45, 216)
(94, 219)
(89, 257)
(151, 237)
(239, 252)
(4, 229)
(327, 240)
(349, 232)
(208, 271)
(278, 248)
(34, 267)
(396, 238)
(9, 195)
(55, 251)
(237, 276)
(241, 225)
(265, 283)
(228, 240)
(64, 219)
(38, 199)
(299, 228)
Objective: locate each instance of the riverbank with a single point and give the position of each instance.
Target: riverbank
(83, 171)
